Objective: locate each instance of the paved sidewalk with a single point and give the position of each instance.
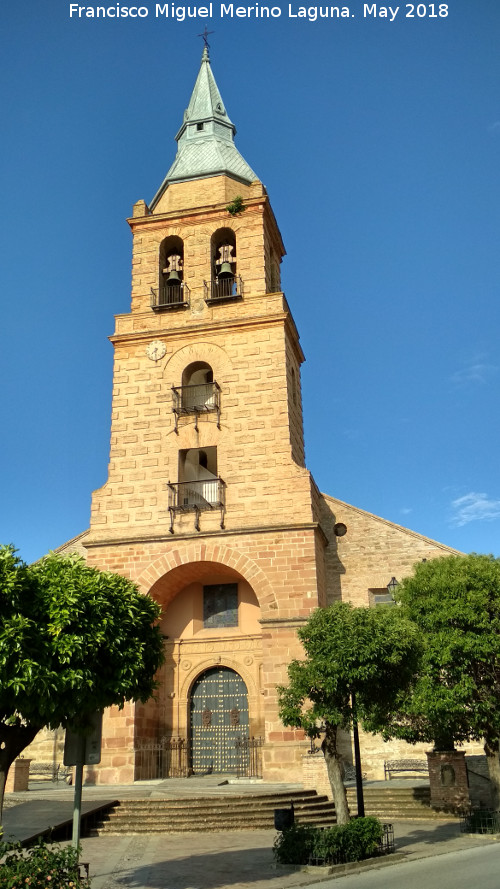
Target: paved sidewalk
(237, 859)
(224, 860)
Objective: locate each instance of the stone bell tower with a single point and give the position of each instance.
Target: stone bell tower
(208, 505)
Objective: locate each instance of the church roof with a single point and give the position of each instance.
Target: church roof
(205, 141)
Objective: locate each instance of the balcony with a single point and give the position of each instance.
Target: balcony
(196, 496)
(173, 296)
(224, 289)
(201, 398)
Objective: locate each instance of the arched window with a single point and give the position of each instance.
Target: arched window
(196, 374)
(172, 291)
(225, 282)
(198, 393)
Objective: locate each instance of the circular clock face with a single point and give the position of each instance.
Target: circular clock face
(156, 350)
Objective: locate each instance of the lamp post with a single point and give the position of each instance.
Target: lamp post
(360, 799)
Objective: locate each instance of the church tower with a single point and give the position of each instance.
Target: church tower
(208, 505)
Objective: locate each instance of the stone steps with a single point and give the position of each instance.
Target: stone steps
(216, 804)
(249, 812)
(397, 804)
(256, 811)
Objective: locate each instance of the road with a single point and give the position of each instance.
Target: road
(477, 868)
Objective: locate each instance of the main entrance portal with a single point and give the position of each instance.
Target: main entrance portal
(219, 720)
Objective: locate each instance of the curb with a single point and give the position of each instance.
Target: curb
(332, 870)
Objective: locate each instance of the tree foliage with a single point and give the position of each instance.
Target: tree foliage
(72, 640)
(304, 844)
(369, 653)
(455, 603)
(40, 866)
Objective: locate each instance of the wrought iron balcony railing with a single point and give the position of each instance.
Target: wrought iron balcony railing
(196, 496)
(200, 398)
(223, 289)
(173, 296)
(207, 493)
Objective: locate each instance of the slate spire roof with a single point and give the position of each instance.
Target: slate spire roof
(205, 141)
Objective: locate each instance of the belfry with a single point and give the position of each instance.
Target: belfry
(208, 505)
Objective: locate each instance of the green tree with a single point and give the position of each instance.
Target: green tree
(72, 640)
(455, 602)
(369, 653)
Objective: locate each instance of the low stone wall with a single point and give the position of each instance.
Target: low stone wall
(18, 776)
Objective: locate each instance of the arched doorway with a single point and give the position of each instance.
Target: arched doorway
(219, 718)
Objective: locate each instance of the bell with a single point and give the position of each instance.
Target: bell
(173, 279)
(225, 270)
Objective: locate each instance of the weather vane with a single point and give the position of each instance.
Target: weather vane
(205, 36)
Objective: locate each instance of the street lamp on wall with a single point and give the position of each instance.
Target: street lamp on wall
(392, 586)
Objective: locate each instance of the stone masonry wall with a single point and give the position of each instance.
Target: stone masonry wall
(254, 228)
(253, 444)
(371, 553)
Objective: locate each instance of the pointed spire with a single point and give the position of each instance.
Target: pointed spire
(206, 103)
(206, 138)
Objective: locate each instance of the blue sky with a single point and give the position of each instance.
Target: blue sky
(379, 143)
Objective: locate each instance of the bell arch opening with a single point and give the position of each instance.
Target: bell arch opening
(172, 290)
(225, 283)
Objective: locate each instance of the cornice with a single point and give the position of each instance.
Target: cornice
(156, 220)
(285, 622)
(196, 329)
(128, 539)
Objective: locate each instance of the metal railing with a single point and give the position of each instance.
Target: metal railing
(249, 757)
(223, 289)
(478, 820)
(200, 398)
(173, 296)
(207, 493)
(166, 758)
(171, 757)
(196, 496)
(386, 846)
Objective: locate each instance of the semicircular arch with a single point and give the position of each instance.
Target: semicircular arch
(195, 554)
(188, 681)
(207, 352)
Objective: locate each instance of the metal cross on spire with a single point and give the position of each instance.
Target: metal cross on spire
(205, 37)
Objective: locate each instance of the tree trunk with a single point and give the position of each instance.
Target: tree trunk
(13, 739)
(492, 758)
(334, 768)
